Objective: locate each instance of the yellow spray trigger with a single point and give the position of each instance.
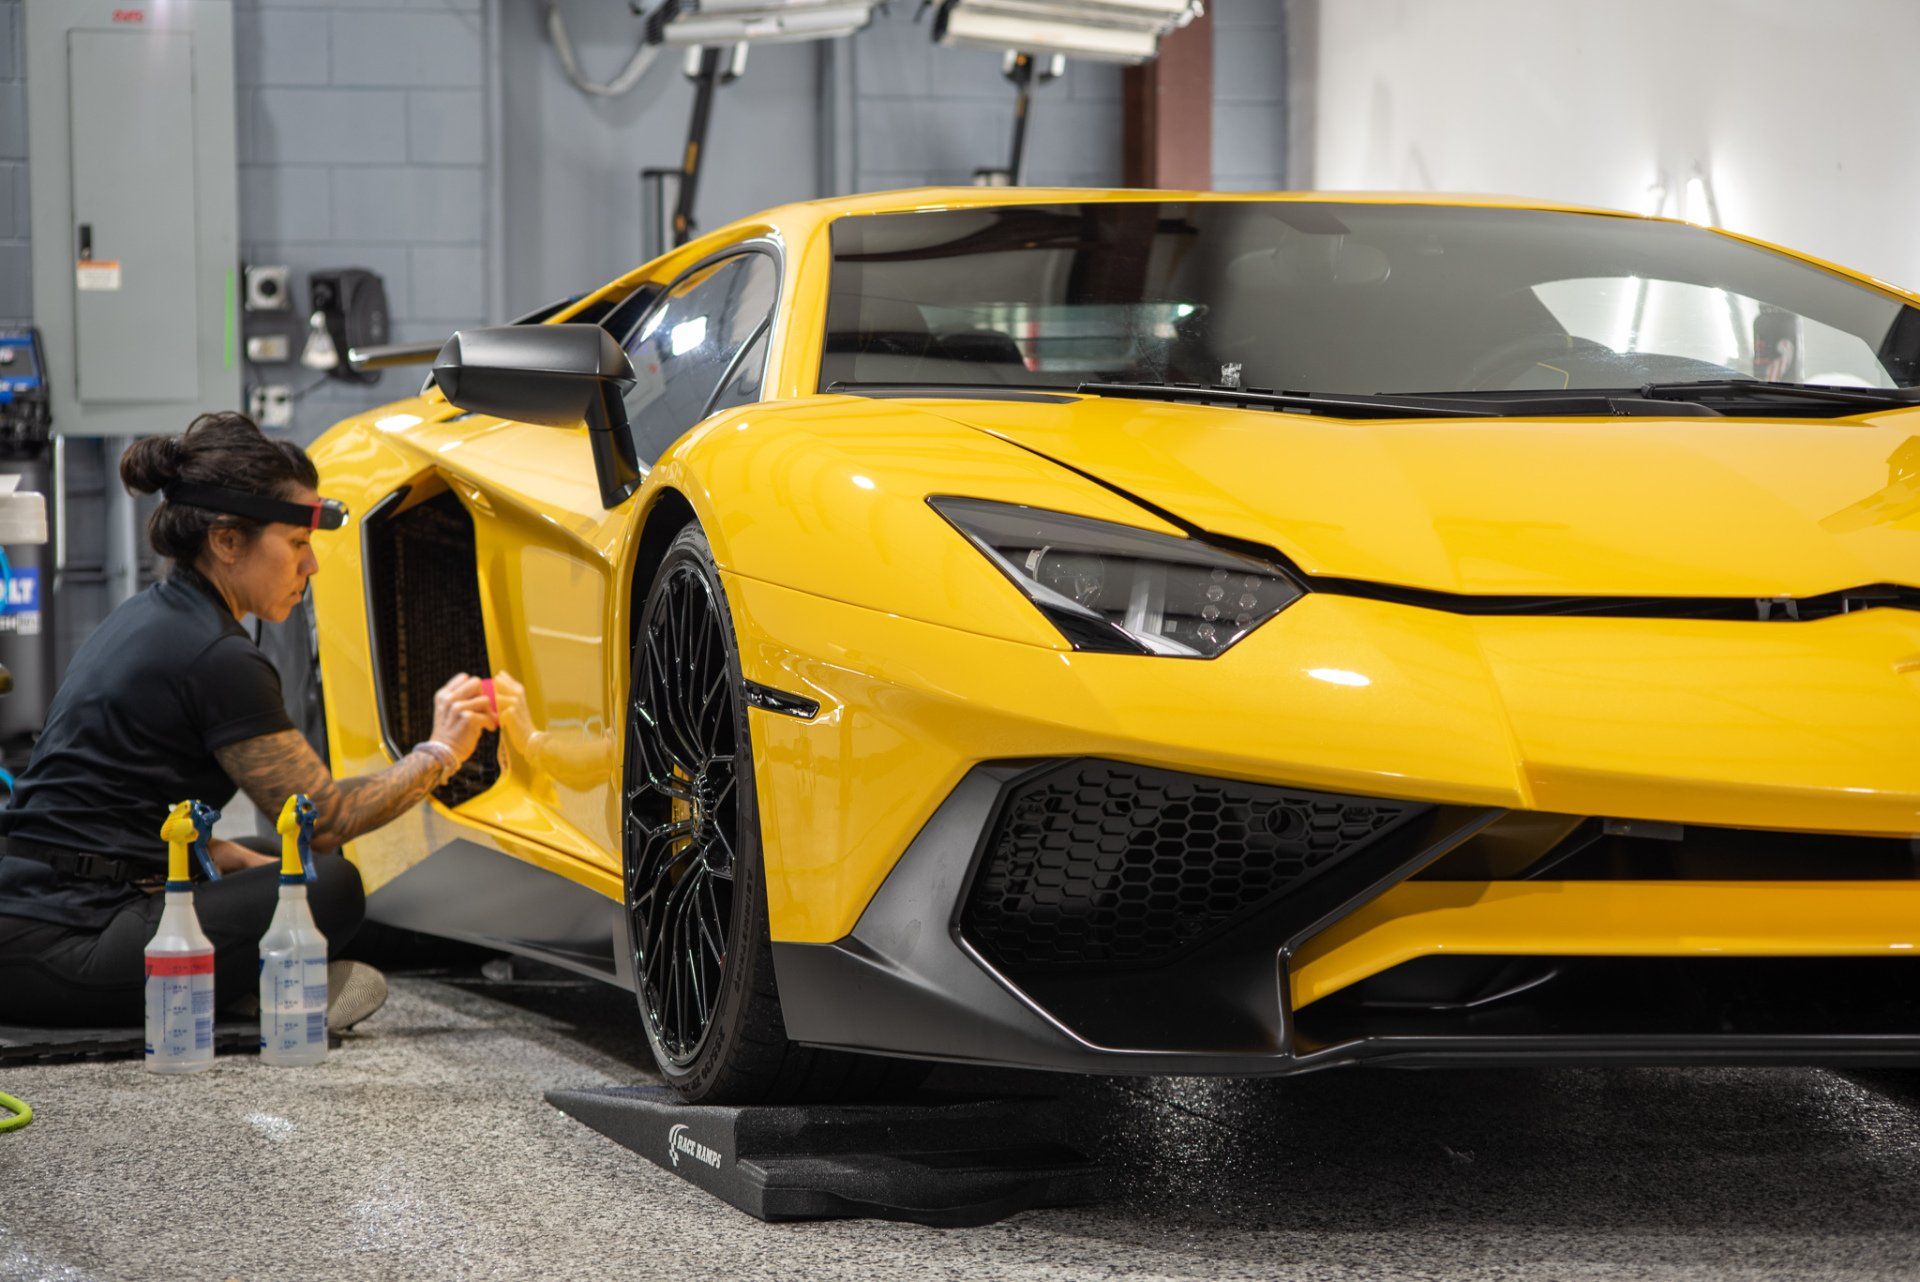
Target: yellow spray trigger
(288, 827)
(179, 833)
(295, 827)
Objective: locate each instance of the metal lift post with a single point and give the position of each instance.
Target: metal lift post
(1024, 71)
(708, 68)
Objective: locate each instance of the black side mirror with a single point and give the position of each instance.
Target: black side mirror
(554, 375)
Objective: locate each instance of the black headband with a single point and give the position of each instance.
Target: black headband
(327, 514)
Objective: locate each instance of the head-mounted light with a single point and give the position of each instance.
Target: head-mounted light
(327, 514)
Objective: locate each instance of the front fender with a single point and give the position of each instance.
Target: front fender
(828, 496)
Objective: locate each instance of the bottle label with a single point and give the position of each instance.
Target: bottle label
(179, 1006)
(293, 1003)
(173, 964)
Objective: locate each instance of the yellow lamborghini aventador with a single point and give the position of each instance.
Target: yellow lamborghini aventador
(1167, 633)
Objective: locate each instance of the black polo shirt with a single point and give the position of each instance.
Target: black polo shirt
(169, 677)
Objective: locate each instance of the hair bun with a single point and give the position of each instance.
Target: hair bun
(151, 463)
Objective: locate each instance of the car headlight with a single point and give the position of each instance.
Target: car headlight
(1120, 589)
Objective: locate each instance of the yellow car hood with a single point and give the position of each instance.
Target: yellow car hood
(1720, 507)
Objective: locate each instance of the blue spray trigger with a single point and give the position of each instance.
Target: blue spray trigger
(204, 818)
(305, 813)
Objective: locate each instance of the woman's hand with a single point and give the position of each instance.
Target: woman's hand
(461, 714)
(230, 856)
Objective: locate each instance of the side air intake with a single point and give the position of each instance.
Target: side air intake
(423, 605)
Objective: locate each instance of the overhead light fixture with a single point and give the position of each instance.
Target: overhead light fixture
(1127, 31)
(720, 22)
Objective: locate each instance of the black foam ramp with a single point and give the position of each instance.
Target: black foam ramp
(940, 1163)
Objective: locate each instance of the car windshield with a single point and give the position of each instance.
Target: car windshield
(1327, 296)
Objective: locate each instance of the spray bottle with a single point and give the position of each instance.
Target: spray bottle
(179, 965)
(293, 953)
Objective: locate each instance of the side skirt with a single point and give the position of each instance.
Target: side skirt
(475, 894)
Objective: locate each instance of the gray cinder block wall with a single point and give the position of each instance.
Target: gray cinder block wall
(936, 116)
(16, 284)
(1249, 94)
(925, 115)
(929, 115)
(363, 143)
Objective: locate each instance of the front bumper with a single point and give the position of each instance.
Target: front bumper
(872, 813)
(909, 980)
(1806, 727)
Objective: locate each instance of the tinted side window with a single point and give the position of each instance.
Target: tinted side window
(749, 372)
(687, 343)
(620, 317)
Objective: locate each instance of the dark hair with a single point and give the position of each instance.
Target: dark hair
(223, 449)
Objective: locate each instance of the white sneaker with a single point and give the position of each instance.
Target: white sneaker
(354, 991)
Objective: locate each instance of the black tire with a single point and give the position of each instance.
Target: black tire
(693, 868)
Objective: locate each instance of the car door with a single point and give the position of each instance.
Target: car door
(699, 347)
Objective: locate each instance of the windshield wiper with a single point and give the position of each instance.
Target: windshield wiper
(962, 391)
(1667, 400)
(1619, 402)
(1741, 389)
(1672, 400)
(1339, 404)
(1488, 404)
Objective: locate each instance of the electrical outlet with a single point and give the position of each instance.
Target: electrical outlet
(271, 405)
(269, 349)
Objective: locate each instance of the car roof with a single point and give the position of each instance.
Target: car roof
(920, 199)
(914, 198)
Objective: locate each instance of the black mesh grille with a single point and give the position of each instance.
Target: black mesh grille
(1100, 862)
(424, 596)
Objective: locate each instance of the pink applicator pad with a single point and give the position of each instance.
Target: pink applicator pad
(486, 683)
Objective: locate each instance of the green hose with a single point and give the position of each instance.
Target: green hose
(21, 1110)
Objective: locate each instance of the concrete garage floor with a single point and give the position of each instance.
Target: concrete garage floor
(422, 1150)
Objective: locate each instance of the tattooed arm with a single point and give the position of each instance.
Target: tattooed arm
(272, 767)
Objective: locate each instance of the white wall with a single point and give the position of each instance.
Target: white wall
(1800, 116)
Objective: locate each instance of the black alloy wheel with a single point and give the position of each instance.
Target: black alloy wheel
(695, 886)
(683, 811)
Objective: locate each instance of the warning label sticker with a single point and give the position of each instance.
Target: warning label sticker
(97, 274)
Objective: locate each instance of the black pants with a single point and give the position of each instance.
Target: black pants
(74, 977)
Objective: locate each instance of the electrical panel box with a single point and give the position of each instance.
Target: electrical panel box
(130, 120)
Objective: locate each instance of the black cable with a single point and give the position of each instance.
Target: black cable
(294, 396)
